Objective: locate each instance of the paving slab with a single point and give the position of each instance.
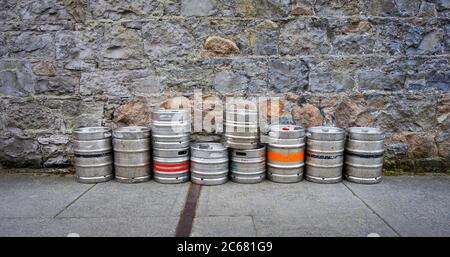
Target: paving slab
(37, 195)
(300, 209)
(113, 199)
(224, 226)
(88, 227)
(412, 205)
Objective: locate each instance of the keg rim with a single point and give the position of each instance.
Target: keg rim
(326, 130)
(131, 131)
(215, 146)
(90, 133)
(171, 110)
(365, 130)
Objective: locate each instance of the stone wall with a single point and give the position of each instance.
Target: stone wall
(383, 63)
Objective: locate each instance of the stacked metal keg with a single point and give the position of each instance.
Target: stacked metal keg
(248, 156)
(285, 153)
(324, 154)
(132, 154)
(241, 128)
(93, 154)
(364, 155)
(209, 163)
(171, 139)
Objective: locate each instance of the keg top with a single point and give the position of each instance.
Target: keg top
(170, 114)
(132, 132)
(286, 131)
(207, 146)
(91, 133)
(365, 133)
(326, 133)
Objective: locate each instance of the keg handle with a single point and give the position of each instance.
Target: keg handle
(241, 154)
(182, 152)
(107, 134)
(325, 130)
(308, 134)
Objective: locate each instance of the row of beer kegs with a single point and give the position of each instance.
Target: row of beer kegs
(130, 154)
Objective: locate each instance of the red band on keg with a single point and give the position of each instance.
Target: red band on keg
(171, 164)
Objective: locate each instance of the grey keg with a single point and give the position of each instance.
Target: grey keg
(171, 166)
(93, 154)
(174, 141)
(324, 154)
(364, 152)
(171, 121)
(132, 154)
(209, 163)
(248, 165)
(285, 153)
(241, 128)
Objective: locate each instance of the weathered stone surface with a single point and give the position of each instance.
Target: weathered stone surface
(407, 113)
(44, 69)
(119, 83)
(443, 144)
(263, 8)
(158, 44)
(352, 36)
(126, 9)
(55, 150)
(353, 113)
(218, 46)
(19, 150)
(75, 45)
(303, 37)
(76, 8)
(119, 42)
(16, 78)
(420, 145)
(287, 76)
(303, 7)
(264, 43)
(60, 85)
(30, 44)
(134, 112)
(338, 7)
(307, 115)
(197, 7)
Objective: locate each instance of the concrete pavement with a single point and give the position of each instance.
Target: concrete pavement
(51, 205)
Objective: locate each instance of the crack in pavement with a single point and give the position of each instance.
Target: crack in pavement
(76, 199)
(374, 212)
(186, 220)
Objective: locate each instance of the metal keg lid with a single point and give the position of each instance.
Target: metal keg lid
(131, 132)
(169, 115)
(91, 133)
(207, 146)
(326, 133)
(286, 131)
(365, 133)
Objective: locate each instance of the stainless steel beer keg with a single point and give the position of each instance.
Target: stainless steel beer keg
(132, 154)
(209, 163)
(241, 128)
(248, 165)
(93, 154)
(285, 153)
(324, 154)
(364, 152)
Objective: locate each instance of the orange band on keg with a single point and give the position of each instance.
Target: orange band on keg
(171, 170)
(281, 157)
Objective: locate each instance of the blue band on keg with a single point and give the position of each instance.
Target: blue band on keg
(368, 156)
(324, 157)
(93, 155)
